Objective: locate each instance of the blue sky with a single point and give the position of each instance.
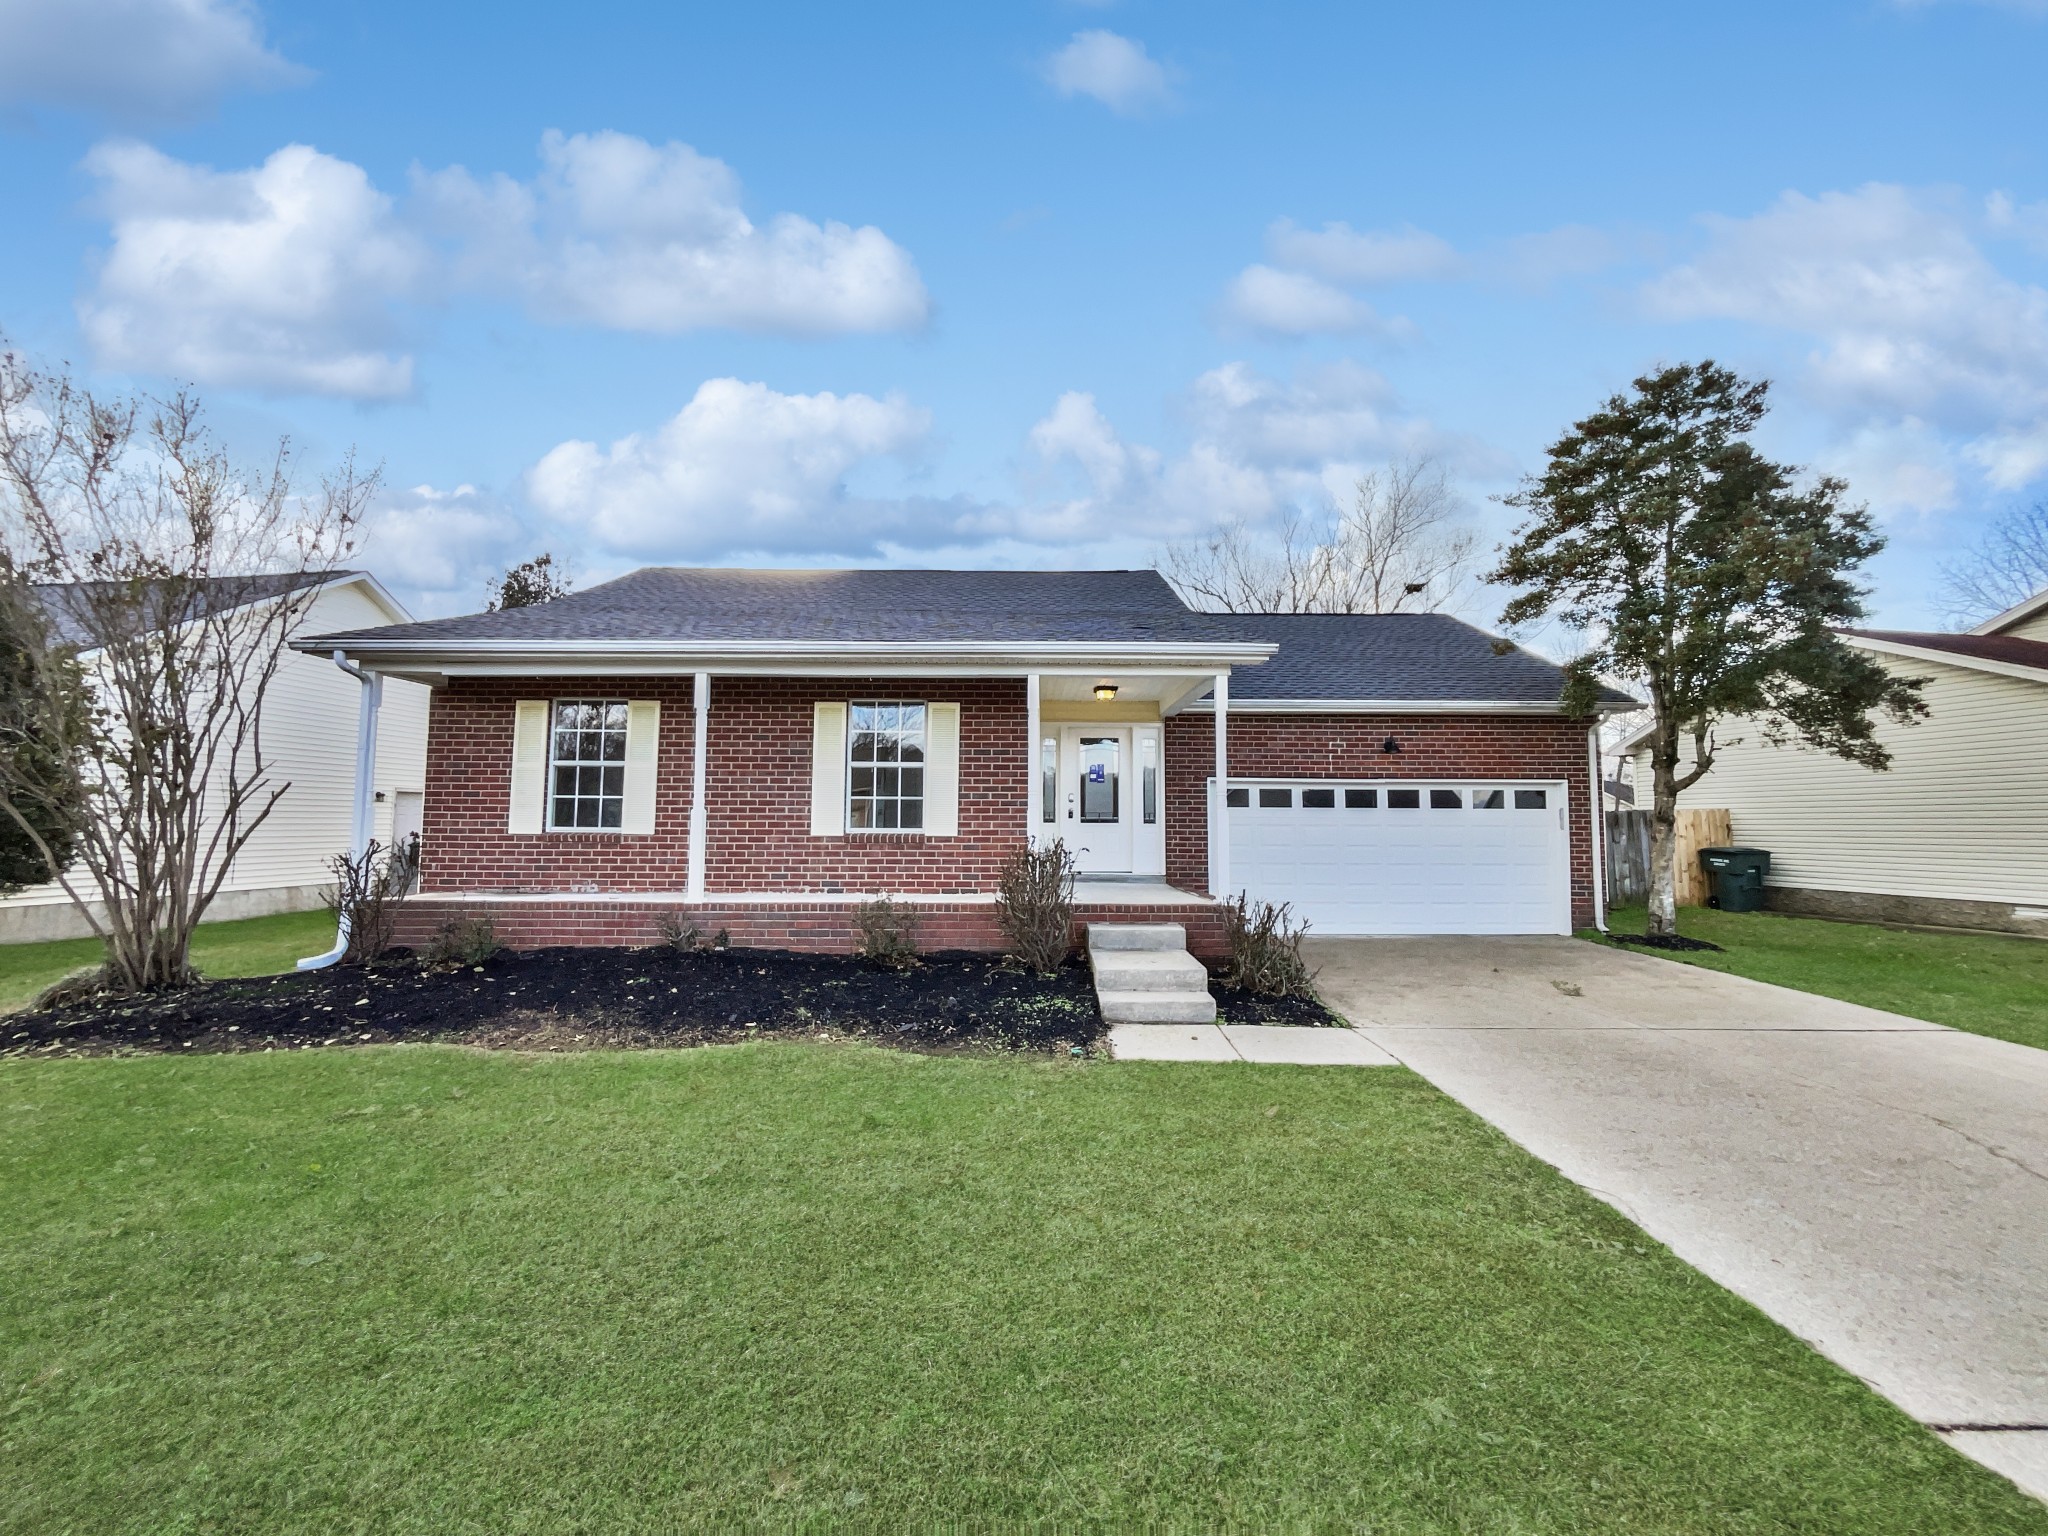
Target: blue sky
(1048, 283)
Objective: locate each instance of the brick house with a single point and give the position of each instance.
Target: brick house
(759, 751)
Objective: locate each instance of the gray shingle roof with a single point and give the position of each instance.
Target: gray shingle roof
(1424, 657)
(67, 605)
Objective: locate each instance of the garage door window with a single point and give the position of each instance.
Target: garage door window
(1404, 799)
(1489, 800)
(1319, 799)
(1276, 799)
(1446, 800)
(1240, 798)
(1361, 799)
(1531, 799)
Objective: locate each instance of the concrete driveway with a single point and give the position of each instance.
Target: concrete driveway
(1877, 1184)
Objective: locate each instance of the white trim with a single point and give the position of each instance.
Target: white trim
(1402, 707)
(1083, 897)
(1950, 658)
(1033, 764)
(2018, 613)
(1219, 813)
(731, 655)
(1598, 813)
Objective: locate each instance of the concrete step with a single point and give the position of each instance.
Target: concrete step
(1157, 1007)
(1123, 936)
(1148, 970)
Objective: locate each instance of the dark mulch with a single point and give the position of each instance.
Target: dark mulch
(571, 999)
(1663, 941)
(1236, 1006)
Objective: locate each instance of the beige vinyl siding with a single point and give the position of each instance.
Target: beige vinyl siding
(1962, 814)
(309, 730)
(2035, 628)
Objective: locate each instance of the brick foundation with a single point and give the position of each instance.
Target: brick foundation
(819, 926)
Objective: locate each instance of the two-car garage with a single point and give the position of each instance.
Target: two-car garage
(1405, 856)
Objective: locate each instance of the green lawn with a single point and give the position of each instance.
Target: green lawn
(1984, 983)
(420, 1289)
(252, 946)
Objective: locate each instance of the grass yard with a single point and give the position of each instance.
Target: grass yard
(250, 946)
(1985, 983)
(422, 1289)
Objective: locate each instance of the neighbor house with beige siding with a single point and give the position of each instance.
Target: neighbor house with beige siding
(1954, 833)
(309, 733)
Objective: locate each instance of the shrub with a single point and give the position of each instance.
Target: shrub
(888, 932)
(1035, 904)
(364, 892)
(462, 941)
(679, 933)
(1265, 949)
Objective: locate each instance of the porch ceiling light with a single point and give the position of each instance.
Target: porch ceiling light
(1104, 692)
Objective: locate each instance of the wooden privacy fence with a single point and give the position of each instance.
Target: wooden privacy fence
(1628, 855)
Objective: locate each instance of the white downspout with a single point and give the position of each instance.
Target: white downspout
(700, 744)
(1599, 829)
(364, 822)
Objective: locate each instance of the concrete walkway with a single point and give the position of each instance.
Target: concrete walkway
(1245, 1042)
(1877, 1184)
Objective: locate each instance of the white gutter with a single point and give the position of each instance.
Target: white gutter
(1082, 653)
(364, 820)
(1398, 707)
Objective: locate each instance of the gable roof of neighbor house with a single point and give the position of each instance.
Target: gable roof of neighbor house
(2021, 611)
(679, 612)
(1392, 658)
(2000, 653)
(66, 609)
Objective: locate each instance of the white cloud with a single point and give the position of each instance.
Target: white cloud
(1364, 258)
(741, 468)
(437, 549)
(1908, 317)
(280, 278)
(634, 236)
(1542, 258)
(137, 61)
(1276, 303)
(1114, 70)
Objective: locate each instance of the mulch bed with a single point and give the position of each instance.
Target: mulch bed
(589, 998)
(1663, 941)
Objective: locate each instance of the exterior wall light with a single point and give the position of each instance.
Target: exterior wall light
(1390, 745)
(1105, 692)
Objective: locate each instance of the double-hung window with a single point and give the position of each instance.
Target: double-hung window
(587, 765)
(885, 756)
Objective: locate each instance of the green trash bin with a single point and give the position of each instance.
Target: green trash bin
(1736, 876)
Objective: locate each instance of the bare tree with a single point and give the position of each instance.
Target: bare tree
(1396, 550)
(171, 581)
(2008, 566)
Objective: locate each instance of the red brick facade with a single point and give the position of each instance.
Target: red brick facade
(1350, 747)
(758, 795)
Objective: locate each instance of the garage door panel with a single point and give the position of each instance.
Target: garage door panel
(1425, 870)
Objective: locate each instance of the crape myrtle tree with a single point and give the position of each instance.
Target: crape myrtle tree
(1707, 577)
(37, 682)
(167, 580)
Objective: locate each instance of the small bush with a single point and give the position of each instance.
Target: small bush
(1265, 949)
(365, 892)
(679, 933)
(1035, 904)
(462, 941)
(888, 932)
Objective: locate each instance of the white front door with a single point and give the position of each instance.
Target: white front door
(1096, 808)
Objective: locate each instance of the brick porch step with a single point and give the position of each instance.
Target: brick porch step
(1145, 975)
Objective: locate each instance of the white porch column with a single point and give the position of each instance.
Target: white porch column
(1034, 769)
(1219, 805)
(700, 720)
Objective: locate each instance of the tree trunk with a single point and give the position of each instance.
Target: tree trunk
(1663, 917)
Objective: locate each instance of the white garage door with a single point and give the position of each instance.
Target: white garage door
(1405, 856)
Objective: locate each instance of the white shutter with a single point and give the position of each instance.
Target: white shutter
(828, 770)
(942, 770)
(643, 736)
(527, 807)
